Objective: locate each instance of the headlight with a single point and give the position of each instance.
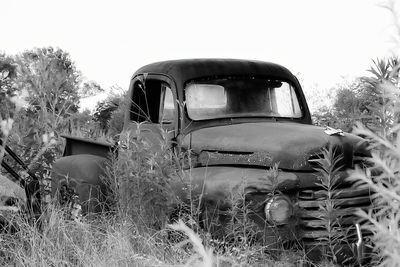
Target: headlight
(278, 209)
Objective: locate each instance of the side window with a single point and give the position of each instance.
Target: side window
(167, 105)
(139, 110)
(152, 101)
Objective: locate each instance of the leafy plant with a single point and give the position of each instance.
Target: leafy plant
(383, 178)
(329, 166)
(7, 99)
(382, 174)
(109, 113)
(384, 108)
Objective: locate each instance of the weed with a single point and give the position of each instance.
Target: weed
(139, 177)
(383, 178)
(329, 168)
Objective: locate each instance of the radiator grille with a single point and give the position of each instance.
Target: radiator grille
(313, 216)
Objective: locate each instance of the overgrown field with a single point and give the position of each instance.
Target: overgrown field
(39, 93)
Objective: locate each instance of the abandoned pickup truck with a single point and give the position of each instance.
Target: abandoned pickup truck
(239, 119)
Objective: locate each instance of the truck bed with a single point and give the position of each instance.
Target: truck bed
(77, 145)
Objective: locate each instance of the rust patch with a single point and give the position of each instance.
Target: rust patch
(243, 158)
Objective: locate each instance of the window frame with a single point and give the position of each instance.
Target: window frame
(295, 89)
(164, 80)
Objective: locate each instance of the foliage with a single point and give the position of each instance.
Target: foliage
(47, 84)
(109, 113)
(366, 100)
(329, 166)
(40, 91)
(90, 88)
(347, 108)
(80, 122)
(383, 178)
(7, 85)
(318, 98)
(9, 103)
(53, 82)
(382, 88)
(325, 116)
(350, 104)
(383, 175)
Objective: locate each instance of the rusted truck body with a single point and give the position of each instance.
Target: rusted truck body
(239, 119)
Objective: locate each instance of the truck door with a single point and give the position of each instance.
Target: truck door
(153, 111)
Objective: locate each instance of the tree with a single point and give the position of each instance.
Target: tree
(383, 94)
(7, 76)
(81, 124)
(109, 113)
(53, 83)
(50, 82)
(90, 88)
(369, 99)
(350, 104)
(345, 108)
(8, 73)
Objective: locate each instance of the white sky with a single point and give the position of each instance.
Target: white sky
(323, 40)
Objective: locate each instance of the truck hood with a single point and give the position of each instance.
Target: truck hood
(267, 143)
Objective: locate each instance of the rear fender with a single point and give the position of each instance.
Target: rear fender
(82, 173)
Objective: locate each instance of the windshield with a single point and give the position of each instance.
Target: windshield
(244, 97)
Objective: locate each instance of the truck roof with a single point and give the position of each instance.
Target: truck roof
(188, 69)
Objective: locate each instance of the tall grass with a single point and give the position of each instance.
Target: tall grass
(139, 177)
(60, 242)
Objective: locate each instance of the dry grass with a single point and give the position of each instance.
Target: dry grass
(109, 241)
(59, 242)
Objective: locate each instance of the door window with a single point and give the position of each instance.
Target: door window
(167, 105)
(152, 101)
